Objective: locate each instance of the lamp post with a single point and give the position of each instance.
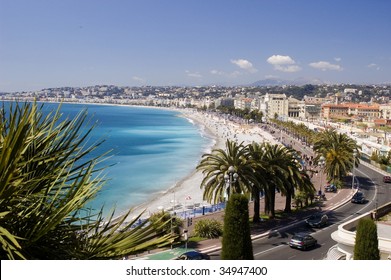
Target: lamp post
(230, 178)
(354, 163)
(322, 163)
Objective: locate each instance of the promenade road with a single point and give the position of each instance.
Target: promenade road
(333, 201)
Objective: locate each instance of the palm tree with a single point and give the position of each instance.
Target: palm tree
(215, 166)
(270, 165)
(47, 176)
(296, 179)
(255, 152)
(275, 174)
(339, 151)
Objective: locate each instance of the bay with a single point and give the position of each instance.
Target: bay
(152, 149)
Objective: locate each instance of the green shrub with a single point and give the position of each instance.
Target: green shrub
(237, 243)
(163, 225)
(366, 246)
(208, 228)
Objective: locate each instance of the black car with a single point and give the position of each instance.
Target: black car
(317, 220)
(193, 255)
(330, 188)
(302, 241)
(387, 179)
(358, 197)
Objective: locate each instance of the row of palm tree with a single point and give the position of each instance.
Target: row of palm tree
(341, 154)
(260, 167)
(339, 150)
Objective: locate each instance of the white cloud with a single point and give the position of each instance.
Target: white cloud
(374, 66)
(283, 63)
(233, 74)
(287, 68)
(325, 65)
(280, 60)
(244, 64)
(193, 74)
(338, 59)
(138, 79)
(216, 72)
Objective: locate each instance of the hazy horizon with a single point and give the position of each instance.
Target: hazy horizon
(47, 44)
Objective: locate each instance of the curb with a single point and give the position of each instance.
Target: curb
(295, 223)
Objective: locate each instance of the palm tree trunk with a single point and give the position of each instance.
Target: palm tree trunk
(267, 202)
(272, 204)
(288, 200)
(257, 205)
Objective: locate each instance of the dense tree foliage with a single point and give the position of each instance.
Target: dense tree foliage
(236, 244)
(366, 246)
(208, 228)
(260, 168)
(215, 167)
(340, 152)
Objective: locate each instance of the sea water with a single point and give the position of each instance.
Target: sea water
(151, 150)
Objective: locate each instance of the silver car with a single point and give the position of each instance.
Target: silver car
(302, 241)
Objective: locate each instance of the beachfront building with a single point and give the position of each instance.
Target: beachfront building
(334, 111)
(350, 111)
(276, 104)
(310, 112)
(363, 111)
(225, 102)
(294, 107)
(385, 111)
(345, 236)
(243, 103)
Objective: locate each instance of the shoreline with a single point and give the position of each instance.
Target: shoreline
(187, 192)
(187, 187)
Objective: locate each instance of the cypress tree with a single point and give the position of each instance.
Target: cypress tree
(367, 244)
(236, 244)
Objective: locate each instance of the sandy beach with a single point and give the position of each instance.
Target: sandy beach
(187, 193)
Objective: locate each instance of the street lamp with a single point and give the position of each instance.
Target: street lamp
(230, 178)
(354, 163)
(322, 163)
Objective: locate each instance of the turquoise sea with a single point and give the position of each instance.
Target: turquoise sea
(152, 150)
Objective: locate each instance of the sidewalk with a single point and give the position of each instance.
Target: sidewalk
(333, 201)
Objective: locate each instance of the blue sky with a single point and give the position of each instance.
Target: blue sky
(49, 43)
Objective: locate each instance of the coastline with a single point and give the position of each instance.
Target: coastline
(187, 192)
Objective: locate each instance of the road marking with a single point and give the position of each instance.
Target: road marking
(375, 195)
(262, 252)
(210, 247)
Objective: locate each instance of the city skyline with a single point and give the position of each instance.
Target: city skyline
(160, 43)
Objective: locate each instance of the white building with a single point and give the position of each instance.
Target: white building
(346, 236)
(277, 104)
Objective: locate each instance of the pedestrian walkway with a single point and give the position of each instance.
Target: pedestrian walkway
(332, 201)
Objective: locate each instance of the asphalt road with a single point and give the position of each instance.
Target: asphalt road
(275, 246)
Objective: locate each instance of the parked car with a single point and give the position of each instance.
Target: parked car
(358, 197)
(302, 241)
(193, 255)
(330, 188)
(317, 220)
(387, 179)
